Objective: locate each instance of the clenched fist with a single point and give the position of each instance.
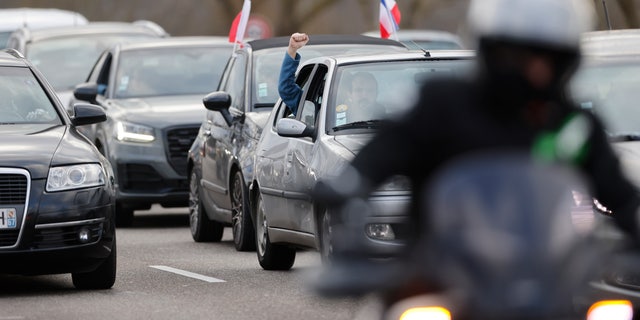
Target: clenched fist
(297, 41)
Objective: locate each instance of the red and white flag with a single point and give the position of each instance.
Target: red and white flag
(389, 18)
(236, 34)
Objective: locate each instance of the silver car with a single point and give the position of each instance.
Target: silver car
(330, 127)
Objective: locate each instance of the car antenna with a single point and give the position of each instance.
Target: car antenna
(606, 13)
(426, 53)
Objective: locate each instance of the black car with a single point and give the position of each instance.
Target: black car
(220, 164)
(57, 193)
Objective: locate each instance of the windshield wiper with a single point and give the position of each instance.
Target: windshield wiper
(369, 124)
(624, 136)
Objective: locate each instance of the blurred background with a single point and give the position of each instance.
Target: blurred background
(283, 17)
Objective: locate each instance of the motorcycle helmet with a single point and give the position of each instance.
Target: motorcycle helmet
(508, 32)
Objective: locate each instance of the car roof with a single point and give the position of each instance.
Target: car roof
(98, 27)
(14, 18)
(11, 57)
(396, 56)
(419, 34)
(318, 39)
(616, 42)
(213, 41)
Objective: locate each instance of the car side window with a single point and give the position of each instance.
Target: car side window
(313, 97)
(103, 75)
(235, 85)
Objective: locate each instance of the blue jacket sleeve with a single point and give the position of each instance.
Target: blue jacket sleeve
(289, 91)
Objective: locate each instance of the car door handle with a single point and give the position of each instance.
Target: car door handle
(207, 133)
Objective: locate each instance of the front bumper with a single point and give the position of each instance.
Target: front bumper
(61, 232)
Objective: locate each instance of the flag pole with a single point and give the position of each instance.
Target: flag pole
(239, 25)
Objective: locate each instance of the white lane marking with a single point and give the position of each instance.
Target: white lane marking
(187, 274)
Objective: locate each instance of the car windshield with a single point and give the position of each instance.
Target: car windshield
(67, 61)
(367, 93)
(610, 90)
(23, 99)
(170, 71)
(267, 65)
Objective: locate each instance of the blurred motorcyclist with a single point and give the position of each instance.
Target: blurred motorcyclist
(526, 53)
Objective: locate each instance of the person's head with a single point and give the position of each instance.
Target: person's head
(364, 89)
(529, 48)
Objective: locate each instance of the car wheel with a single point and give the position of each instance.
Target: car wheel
(202, 228)
(101, 278)
(242, 227)
(124, 215)
(326, 247)
(270, 256)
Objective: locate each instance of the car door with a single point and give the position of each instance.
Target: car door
(298, 172)
(220, 139)
(275, 184)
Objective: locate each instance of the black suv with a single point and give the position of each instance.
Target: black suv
(220, 161)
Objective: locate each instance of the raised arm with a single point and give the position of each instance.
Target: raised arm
(289, 91)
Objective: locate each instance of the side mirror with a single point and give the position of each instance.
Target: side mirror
(87, 114)
(287, 127)
(219, 101)
(86, 92)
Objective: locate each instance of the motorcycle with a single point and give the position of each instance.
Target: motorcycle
(499, 242)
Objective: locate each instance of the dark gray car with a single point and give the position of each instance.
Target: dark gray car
(152, 94)
(221, 157)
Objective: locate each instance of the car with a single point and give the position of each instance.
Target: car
(57, 205)
(329, 128)
(152, 94)
(220, 164)
(425, 39)
(66, 54)
(12, 19)
(606, 83)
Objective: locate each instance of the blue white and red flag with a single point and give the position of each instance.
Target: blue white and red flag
(389, 18)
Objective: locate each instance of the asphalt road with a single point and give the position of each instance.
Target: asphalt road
(164, 274)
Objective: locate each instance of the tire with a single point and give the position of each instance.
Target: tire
(241, 224)
(324, 237)
(202, 228)
(124, 215)
(270, 256)
(101, 278)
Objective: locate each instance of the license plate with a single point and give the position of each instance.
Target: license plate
(8, 218)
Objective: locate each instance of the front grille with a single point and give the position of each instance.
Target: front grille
(179, 141)
(13, 189)
(8, 237)
(144, 178)
(64, 236)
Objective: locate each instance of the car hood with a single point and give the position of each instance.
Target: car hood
(629, 155)
(255, 123)
(36, 147)
(353, 142)
(162, 111)
(65, 97)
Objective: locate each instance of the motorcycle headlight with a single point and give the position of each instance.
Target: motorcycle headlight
(611, 310)
(133, 132)
(75, 177)
(432, 313)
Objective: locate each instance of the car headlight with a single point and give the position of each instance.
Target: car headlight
(75, 177)
(133, 132)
